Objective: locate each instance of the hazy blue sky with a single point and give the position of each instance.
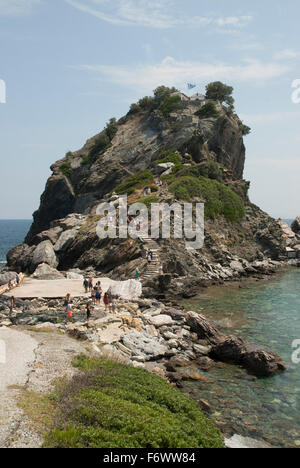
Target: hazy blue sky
(70, 65)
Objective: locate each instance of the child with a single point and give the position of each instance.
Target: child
(69, 313)
(106, 301)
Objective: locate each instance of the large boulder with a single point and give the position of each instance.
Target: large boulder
(257, 361)
(143, 346)
(51, 235)
(232, 349)
(19, 258)
(46, 272)
(263, 363)
(44, 253)
(205, 329)
(65, 239)
(130, 289)
(295, 226)
(6, 277)
(160, 320)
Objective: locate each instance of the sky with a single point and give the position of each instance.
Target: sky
(68, 66)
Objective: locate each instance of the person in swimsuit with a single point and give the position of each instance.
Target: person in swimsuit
(98, 296)
(106, 301)
(69, 313)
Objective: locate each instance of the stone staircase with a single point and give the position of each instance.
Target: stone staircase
(152, 268)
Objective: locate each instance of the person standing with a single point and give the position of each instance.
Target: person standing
(161, 269)
(106, 301)
(86, 286)
(67, 299)
(137, 274)
(93, 296)
(11, 305)
(69, 313)
(91, 284)
(98, 295)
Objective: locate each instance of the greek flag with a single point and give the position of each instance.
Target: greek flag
(191, 86)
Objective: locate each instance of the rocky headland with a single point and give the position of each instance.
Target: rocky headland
(180, 151)
(199, 156)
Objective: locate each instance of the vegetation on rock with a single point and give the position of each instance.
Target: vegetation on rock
(207, 111)
(65, 168)
(134, 182)
(219, 199)
(102, 143)
(110, 405)
(218, 91)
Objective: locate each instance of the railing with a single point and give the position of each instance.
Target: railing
(5, 288)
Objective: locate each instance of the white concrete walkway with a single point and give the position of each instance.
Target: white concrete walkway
(33, 288)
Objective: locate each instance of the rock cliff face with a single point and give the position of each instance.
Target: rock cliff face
(135, 147)
(210, 150)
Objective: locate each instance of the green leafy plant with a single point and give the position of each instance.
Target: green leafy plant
(65, 168)
(110, 405)
(171, 104)
(218, 91)
(207, 111)
(136, 181)
(219, 199)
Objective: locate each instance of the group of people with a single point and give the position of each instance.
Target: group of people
(96, 292)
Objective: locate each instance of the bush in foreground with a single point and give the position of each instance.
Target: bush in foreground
(111, 405)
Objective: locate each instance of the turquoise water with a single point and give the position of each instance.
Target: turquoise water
(265, 313)
(12, 232)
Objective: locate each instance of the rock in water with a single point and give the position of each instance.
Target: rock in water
(259, 362)
(263, 363)
(205, 329)
(232, 349)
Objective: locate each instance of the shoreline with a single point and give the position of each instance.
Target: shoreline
(147, 334)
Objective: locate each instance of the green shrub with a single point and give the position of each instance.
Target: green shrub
(102, 142)
(65, 168)
(153, 188)
(134, 109)
(111, 129)
(218, 91)
(219, 199)
(245, 130)
(147, 201)
(146, 103)
(169, 156)
(110, 405)
(171, 104)
(207, 111)
(210, 170)
(134, 182)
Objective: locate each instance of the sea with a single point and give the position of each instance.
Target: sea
(12, 233)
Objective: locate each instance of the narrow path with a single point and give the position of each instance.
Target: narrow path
(19, 356)
(34, 360)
